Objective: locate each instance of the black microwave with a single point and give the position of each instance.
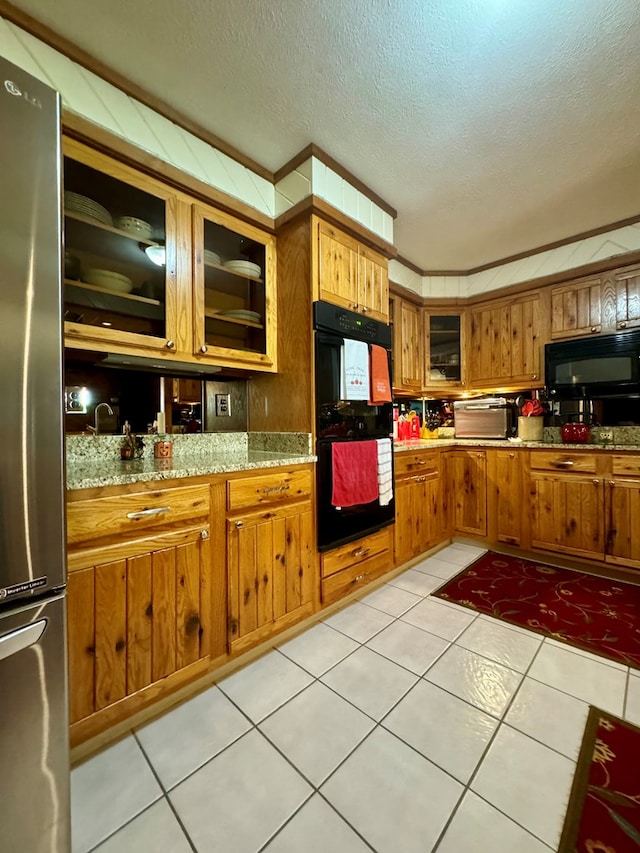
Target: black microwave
(594, 367)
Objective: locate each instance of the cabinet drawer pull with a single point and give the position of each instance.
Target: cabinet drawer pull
(204, 534)
(563, 463)
(534, 375)
(239, 524)
(145, 513)
(420, 462)
(512, 456)
(274, 490)
(361, 552)
(359, 578)
(364, 309)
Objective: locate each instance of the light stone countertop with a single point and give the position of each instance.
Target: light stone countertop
(111, 472)
(425, 444)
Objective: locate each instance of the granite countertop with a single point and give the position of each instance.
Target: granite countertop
(87, 475)
(93, 461)
(425, 444)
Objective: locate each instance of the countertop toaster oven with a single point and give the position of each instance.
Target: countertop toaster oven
(488, 417)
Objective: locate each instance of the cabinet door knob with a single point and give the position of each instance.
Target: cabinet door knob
(594, 328)
(612, 483)
(596, 482)
(534, 375)
(622, 325)
(512, 456)
(203, 348)
(170, 345)
(364, 309)
(239, 524)
(204, 534)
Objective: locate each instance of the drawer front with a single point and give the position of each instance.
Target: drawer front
(408, 462)
(552, 460)
(626, 466)
(129, 514)
(342, 583)
(356, 553)
(268, 489)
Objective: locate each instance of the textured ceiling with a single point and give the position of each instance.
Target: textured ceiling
(492, 126)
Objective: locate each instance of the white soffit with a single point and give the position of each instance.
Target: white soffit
(492, 126)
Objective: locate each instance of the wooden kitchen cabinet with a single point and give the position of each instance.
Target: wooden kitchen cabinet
(567, 502)
(505, 484)
(352, 566)
(140, 601)
(348, 273)
(506, 341)
(627, 296)
(139, 309)
(466, 476)
(444, 333)
(622, 540)
(234, 306)
(419, 506)
(189, 305)
(576, 308)
(408, 351)
(271, 562)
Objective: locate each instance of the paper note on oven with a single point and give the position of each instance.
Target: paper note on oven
(354, 370)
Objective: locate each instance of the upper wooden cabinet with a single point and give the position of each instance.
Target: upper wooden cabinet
(408, 352)
(444, 349)
(627, 296)
(506, 341)
(576, 308)
(234, 290)
(349, 274)
(150, 272)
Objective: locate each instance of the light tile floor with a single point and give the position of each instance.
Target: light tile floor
(400, 723)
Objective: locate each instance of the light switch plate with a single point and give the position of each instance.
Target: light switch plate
(223, 405)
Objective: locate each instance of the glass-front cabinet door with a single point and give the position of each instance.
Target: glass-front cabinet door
(234, 291)
(120, 255)
(444, 347)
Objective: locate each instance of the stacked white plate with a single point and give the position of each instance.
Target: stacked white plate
(244, 267)
(211, 257)
(109, 279)
(77, 203)
(241, 314)
(133, 225)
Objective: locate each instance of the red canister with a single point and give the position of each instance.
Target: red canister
(576, 433)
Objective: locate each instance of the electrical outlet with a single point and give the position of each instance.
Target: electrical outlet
(223, 405)
(605, 434)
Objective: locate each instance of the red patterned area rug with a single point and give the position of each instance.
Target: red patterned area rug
(603, 815)
(595, 614)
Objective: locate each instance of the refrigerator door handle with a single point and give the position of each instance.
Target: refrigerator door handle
(22, 638)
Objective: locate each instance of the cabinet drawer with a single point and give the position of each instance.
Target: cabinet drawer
(581, 463)
(268, 489)
(625, 466)
(356, 553)
(416, 462)
(129, 514)
(342, 583)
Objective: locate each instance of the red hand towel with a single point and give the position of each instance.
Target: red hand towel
(355, 472)
(379, 374)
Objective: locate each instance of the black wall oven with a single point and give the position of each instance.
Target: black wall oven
(339, 420)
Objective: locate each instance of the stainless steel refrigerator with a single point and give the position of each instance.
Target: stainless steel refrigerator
(34, 756)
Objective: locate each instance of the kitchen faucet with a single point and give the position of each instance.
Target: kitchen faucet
(96, 418)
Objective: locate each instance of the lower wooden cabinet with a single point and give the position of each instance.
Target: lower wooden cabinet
(622, 541)
(354, 565)
(138, 613)
(270, 562)
(567, 503)
(505, 509)
(467, 488)
(419, 503)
